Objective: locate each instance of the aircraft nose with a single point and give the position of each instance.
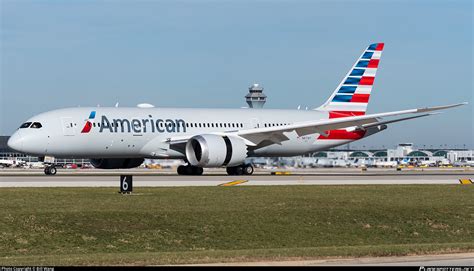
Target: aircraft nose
(16, 141)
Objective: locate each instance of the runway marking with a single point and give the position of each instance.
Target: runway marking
(236, 182)
(281, 173)
(465, 181)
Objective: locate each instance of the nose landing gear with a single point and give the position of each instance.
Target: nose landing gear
(50, 170)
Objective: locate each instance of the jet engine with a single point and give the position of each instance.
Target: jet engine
(114, 163)
(215, 151)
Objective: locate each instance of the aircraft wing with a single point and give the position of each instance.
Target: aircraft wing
(253, 137)
(276, 135)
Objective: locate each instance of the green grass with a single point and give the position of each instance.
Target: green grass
(94, 226)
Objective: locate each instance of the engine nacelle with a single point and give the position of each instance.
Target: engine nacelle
(215, 151)
(115, 163)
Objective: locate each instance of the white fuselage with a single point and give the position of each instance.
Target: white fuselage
(143, 132)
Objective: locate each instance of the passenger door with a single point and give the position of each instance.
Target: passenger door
(68, 126)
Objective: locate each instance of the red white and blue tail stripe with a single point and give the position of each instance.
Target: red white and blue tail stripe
(352, 95)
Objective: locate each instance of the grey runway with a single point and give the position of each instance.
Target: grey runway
(213, 180)
(458, 259)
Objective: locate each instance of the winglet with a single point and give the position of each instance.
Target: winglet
(428, 109)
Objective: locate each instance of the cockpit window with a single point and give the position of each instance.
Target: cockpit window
(36, 125)
(25, 125)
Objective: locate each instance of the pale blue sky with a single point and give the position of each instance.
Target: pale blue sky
(206, 53)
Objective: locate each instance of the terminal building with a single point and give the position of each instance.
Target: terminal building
(403, 154)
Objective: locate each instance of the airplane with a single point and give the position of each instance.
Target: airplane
(113, 137)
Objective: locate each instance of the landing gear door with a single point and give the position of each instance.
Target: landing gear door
(68, 126)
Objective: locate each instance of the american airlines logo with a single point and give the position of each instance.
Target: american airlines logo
(88, 126)
(136, 125)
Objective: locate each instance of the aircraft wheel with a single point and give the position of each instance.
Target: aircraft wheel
(190, 170)
(52, 170)
(239, 170)
(248, 169)
(198, 170)
(230, 170)
(181, 170)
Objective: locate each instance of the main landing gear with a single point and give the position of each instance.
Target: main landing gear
(50, 170)
(246, 169)
(190, 170)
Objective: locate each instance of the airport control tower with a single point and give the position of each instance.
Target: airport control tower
(255, 98)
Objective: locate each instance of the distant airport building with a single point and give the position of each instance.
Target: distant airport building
(255, 98)
(404, 154)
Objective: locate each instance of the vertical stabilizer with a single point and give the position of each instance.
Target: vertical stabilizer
(352, 95)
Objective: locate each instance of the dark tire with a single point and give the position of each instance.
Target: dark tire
(188, 170)
(181, 170)
(52, 170)
(198, 170)
(230, 171)
(248, 169)
(46, 171)
(239, 170)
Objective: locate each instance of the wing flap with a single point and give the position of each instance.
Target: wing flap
(395, 120)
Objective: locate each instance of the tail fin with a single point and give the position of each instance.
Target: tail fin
(352, 95)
